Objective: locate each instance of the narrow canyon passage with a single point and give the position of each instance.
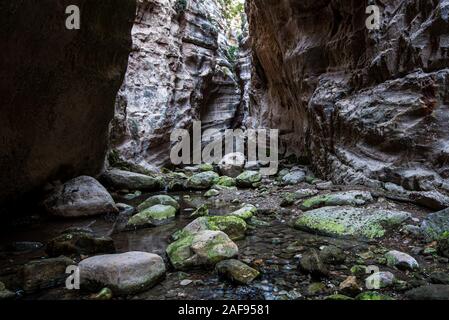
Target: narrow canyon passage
(356, 208)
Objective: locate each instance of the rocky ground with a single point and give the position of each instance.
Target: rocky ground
(195, 234)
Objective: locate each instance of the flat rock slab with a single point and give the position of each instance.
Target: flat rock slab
(80, 197)
(351, 222)
(125, 273)
(348, 198)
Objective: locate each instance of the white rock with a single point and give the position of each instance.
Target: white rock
(401, 260)
(379, 280)
(125, 273)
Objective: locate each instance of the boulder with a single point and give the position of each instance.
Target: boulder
(203, 180)
(351, 222)
(153, 216)
(125, 273)
(211, 193)
(204, 248)
(232, 164)
(350, 286)
(379, 280)
(159, 199)
(80, 197)
(5, 294)
(401, 260)
(236, 271)
(348, 198)
(120, 179)
(248, 179)
(79, 243)
(294, 177)
(234, 227)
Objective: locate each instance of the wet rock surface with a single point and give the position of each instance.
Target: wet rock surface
(245, 224)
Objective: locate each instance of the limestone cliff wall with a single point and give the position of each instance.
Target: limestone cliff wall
(57, 88)
(364, 106)
(181, 69)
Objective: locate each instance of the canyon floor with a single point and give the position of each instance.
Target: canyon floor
(293, 262)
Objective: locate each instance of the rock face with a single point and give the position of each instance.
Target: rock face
(181, 69)
(58, 91)
(365, 106)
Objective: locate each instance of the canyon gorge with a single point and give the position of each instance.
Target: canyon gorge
(363, 174)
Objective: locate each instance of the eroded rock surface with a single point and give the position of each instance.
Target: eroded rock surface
(366, 106)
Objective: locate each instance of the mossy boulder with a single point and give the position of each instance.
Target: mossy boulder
(249, 179)
(203, 180)
(236, 271)
(350, 198)
(204, 248)
(159, 199)
(153, 216)
(225, 181)
(288, 199)
(245, 213)
(351, 222)
(234, 227)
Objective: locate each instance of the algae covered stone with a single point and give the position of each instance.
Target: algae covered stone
(246, 212)
(248, 179)
(204, 248)
(79, 243)
(351, 198)
(225, 181)
(158, 199)
(234, 227)
(203, 180)
(436, 225)
(236, 271)
(351, 222)
(153, 216)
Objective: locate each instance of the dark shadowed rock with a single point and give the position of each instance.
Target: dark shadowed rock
(429, 292)
(82, 196)
(120, 179)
